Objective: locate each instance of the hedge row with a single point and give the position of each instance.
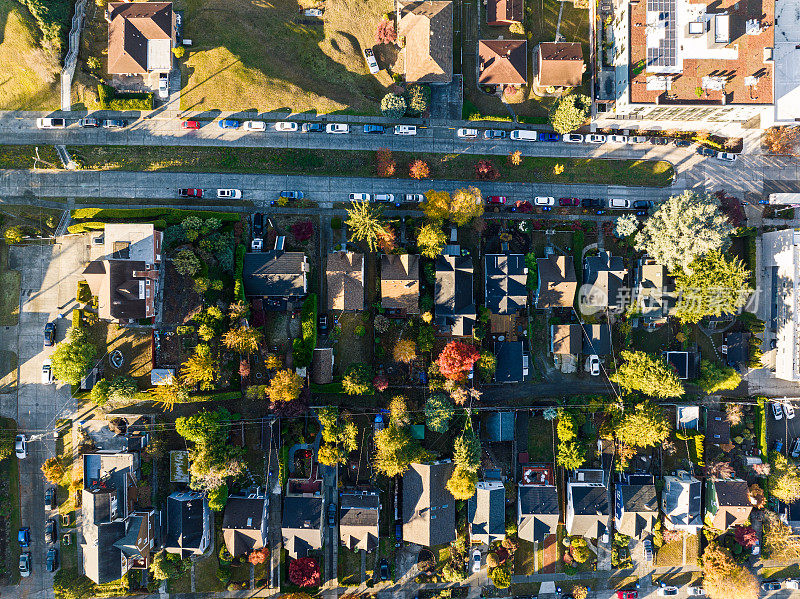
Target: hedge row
(761, 426)
(238, 286)
(87, 226)
(172, 216)
(303, 348)
(218, 396)
(109, 99)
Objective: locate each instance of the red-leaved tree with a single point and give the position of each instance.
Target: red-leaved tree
(720, 470)
(419, 169)
(387, 239)
(304, 572)
(486, 171)
(258, 556)
(456, 360)
(745, 536)
(384, 162)
(386, 32)
(380, 382)
(303, 230)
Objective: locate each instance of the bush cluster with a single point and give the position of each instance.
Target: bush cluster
(109, 99)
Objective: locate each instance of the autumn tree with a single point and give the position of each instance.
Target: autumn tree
(784, 480)
(466, 205)
(405, 351)
(781, 140)
(387, 240)
(244, 340)
(357, 380)
(339, 436)
(647, 374)
(457, 359)
(202, 368)
(720, 470)
(385, 163)
(467, 449)
(52, 470)
(462, 483)
(258, 556)
(745, 536)
(780, 542)
(285, 386)
(645, 426)
(714, 284)
(419, 169)
(486, 171)
(571, 455)
(500, 577)
(515, 158)
(304, 572)
(366, 223)
(756, 496)
(431, 240)
(724, 578)
(438, 412)
(395, 450)
(570, 112)
(169, 395)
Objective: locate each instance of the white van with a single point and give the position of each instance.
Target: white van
(524, 135)
(619, 203)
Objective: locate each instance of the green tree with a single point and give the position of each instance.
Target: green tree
(579, 549)
(431, 240)
(487, 365)
(646, 426)
(202, 368)
(357, 381)
(425, 338)
(570, 112)
(438, 412)
(186, 263)
(500, 577)
(339, 434)
(73, 357)
(571, 455)
(462, 483)
(715, 378)
(165, 566)
(213, 460)
(395, 449)
(217, 498)
(366, 223)
(123, 389)
(626, 225)
(783, 481)
(68, 583)
(648, 374)
(99, 393)
(13, 234)
(393, 106)
(285, 385)
(467, 449)
(684, 227)
(714, 285)
(244, 340)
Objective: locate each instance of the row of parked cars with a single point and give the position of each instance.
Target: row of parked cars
(227, 194)
(294, 127)
(89, 122)
(547, 202)
(50, 538)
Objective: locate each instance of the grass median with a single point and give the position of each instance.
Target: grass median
(459, 167)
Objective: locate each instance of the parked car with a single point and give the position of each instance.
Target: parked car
(292, 195)
(190, 124)
(51, 123)
(369, 56)
(771, 585)
(682, 143)
(21, 446)
(405, 129)
(572, 138)
(322, 324)
(229, 124)
(51, 563)
(360, 197)
(413, 198)
(88, 122)
(163, 86)
(50, 531)
(627, 594)
(648, 551)
(332, 514)
(374, 129)
(643, 204)
(544, 201)
(398, 535)
(756, 548)
(638, 139)
(494, 134)
(115, 124)
(258, 224)
(593, 365)
(595, 138)
(384, 198)
(569, 202)
(549, 136)
(696, 592)
(383, 568)
(668, 591)
(190, 193)
(703, 151)
(788, 410)
(312, 128)
(49, 334)
(619, 203)
(229, 194)
(592, 203)
(24, 537)
(777, 411)
(727, 156)
(50, 498)
(467, 133)
(476, 560)
(25, 564)
(337, 128)
(47, 372)
(659, 141)
(286, 126)
(496, 200)
(618, 139)
(257, 126)
(792, 584)
(796, 448)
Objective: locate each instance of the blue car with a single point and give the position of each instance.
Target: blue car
(229, 124)
(24, 537)
(549, 136)
(374, 129)
(49, 334)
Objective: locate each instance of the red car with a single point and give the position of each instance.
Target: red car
(190, 193)
(190, 125)
(627, 594)
(569, 202)
(496, 200)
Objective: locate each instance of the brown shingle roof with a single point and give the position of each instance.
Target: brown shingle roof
(560, 64)
(428, 29)
(130, 28)
(345, 278)
(566, 339)
(504, 11)
(400, 282)
(557, 282)
(503, 62)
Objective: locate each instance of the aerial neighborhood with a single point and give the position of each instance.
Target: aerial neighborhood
(430, 299)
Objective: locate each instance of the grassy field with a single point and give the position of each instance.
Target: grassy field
(349, 567)
(524, 558)
(9, 471)
(29, 77)
(9, 290)
(458, 167)
(24, 157)
(134, 345)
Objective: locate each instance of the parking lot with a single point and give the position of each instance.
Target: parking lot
(785, 431)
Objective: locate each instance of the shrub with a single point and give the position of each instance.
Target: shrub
(84, 294)
(85, 227)
(419, 169)
(393, 106)
(303, 230)
(569, 112)
(386, 33)
(179, 51)
(109, 99)
(419, 99)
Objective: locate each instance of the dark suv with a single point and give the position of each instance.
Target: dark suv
(49, 334)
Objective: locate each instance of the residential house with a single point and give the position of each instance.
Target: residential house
(588, 511)
(512, 362)
(141, 36)
(400, 282)
(558, 65)
(596, 339)
(736, 349)
(505, 277)
(557, 283)
(636, 506)
(727, 503)
(345, 281)
(504, 12)
(245, 522)
(188, 524)
(566, 339)
(498, 426)
(116, 536)
(502, 62)
(302, 523)
(486, 512)
(429, 510)
(454, 305)
(427, 27)
(276, 276)
(681, 502)
(718, 429)
(604, 282)
(124, 271)
(652, 294)
(686, 363)
(780, 251)
(537, 504)
(322, 365)
(359, 519)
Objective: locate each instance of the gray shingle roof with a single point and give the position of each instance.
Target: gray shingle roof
(639, 508)
(537, 512)
(454, 310)
(606, 276)
(499, 426)
(486, 512)
(244, 525)
(429, 514)
(274, 274)
(505, 288)
(185, 521)
(509, 361)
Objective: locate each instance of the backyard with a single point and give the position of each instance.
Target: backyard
(136, 348)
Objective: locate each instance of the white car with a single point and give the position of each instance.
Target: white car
(727, 156)
(163, 86)
(618, 139)
(413, 198)
(312, 12)
(638, 139)
(595, 138)
(369, 56)
(593, 365)
(544, 201)
(756, 550)
(51, 123)
(476, 560)
(337, 128)
(47, 373)
(467, 133)
(384, 197)
(788, 410)
(619, 203)
(21, 446)
(255, 126)
(777, 412)
(792, 584)
(696, 592)
(286, 126)
(572, 138)
(669, 591)
(360, 197)
(405, 129)
(230, 194)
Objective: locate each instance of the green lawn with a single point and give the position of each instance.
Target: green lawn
(349, 566)
(458, 167)
(524, 558)
(9, 471)
(540, 439)
(524, 589)
(790, 571)
(24, 157)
